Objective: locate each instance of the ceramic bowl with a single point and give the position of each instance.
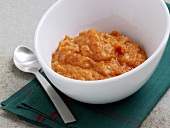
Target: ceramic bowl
(145, 22)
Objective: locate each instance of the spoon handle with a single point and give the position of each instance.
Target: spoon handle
(63, 110)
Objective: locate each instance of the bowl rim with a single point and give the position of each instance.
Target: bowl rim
(155, 53)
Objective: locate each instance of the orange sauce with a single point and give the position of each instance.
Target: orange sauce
(94, 55)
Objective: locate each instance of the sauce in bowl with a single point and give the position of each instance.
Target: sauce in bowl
(94, 55)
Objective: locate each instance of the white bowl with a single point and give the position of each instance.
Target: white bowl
(145, 21)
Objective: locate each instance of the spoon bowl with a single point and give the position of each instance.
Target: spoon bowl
(26, 61)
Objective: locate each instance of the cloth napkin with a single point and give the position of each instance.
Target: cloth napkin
(33, 105)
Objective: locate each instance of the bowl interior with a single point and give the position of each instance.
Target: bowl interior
(144, 22)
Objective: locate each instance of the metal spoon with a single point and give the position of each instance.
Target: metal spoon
(26, 61)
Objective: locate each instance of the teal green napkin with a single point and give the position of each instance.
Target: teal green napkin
(168, 5)
(33, 105)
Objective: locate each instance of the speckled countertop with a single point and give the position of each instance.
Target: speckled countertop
(18, 21)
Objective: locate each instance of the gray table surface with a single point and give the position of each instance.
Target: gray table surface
(18, 21)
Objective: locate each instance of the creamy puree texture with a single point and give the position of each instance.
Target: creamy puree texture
(94, 55)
